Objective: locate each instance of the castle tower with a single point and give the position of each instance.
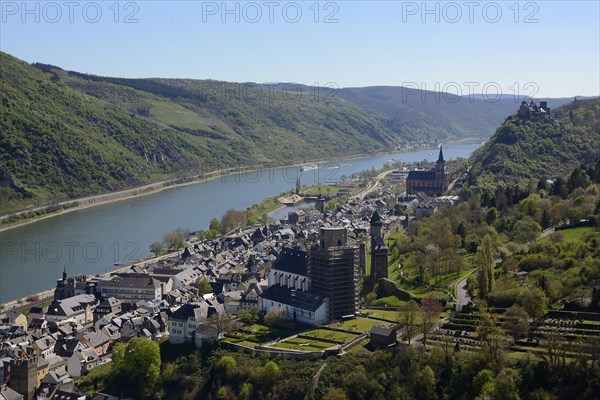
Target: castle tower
(379, 252)
(23, 376)
(440, 173)
(334, 271)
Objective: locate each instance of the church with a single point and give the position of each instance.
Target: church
(433, 182)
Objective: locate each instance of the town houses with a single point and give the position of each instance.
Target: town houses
(308, 265)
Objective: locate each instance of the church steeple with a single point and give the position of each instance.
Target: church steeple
(441, 156)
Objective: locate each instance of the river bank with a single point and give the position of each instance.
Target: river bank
(93, 240)
(77, 204)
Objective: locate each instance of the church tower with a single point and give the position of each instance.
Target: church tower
(440, 172)
(379, 252)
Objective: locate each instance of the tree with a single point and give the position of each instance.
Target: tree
(492, 216)
(204, 287)
(118, 357)
(526, 229)
(298, 185)
(227, 365)
(426, 384)
(174, 241)
(431, 309)
(246, 391)
(506, 385)
(275, 316)
(490, 334)
(481, 379)
(516, 321)
(221, 321)
(408, 316)
(157, 248)
(335, 394)
(215, 225)
(578, 179)
(233, 219)
(545, 221)
(486, 258)
(248, 315)
(534, 301)
(139, 365)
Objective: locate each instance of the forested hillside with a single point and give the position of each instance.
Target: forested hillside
(67, 135)
(546, 147)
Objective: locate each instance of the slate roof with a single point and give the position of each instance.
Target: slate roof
(381, 331)
(295, 298)
(7, 393)
(421, 176)
(293, 261)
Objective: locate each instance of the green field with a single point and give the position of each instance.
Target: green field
(361, 325)
(389, 315)
(576, 234)
(331, 335)
(389, 301)
(303, 344)
(327, 190)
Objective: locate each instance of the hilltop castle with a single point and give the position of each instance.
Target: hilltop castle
(533, 110)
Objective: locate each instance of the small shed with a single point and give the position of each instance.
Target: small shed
(381, 337)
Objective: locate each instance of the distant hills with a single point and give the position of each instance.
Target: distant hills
(427, 114)
(67, 134)
(540, 147)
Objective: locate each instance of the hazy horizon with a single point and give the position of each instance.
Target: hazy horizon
(539, 49)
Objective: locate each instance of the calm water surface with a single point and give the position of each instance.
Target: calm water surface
(91, 241)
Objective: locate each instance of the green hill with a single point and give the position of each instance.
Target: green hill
(427, 114)
(545, 147)
(67, 135)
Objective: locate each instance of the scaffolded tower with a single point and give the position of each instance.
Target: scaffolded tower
(334, 271)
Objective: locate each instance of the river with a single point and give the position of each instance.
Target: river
(93, 240)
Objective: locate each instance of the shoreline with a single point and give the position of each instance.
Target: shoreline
(157, 187)
(21, 303)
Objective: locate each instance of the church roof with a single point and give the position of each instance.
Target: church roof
(295, 298)
(292, 260)
(421, 176)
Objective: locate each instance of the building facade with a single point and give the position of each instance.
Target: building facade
(432, 182)
(290, 289)
(130, 288)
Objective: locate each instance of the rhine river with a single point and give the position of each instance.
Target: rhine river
(93, 240)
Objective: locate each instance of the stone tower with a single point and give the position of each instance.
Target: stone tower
(23, 375)
(379, 252)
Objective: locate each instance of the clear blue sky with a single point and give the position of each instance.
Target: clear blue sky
(372, 43)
